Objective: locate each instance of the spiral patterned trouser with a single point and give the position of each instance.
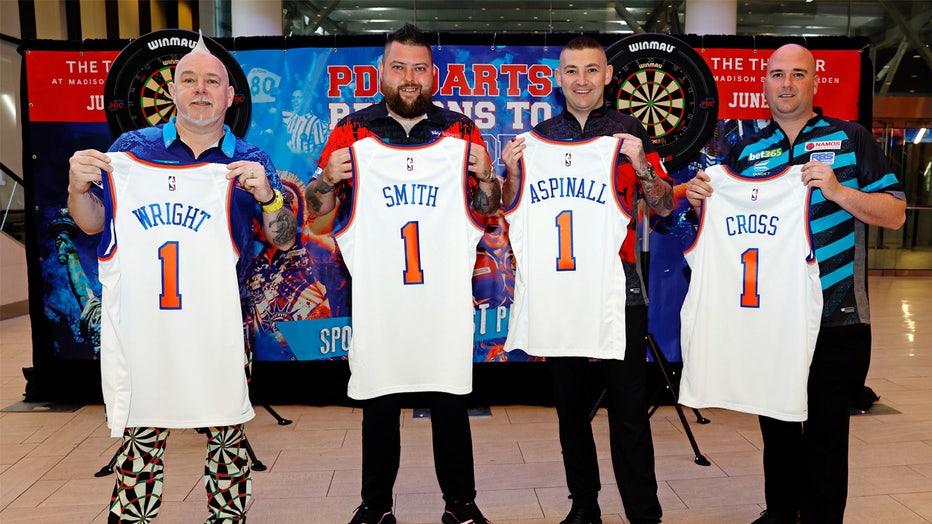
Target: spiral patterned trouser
(137, 494)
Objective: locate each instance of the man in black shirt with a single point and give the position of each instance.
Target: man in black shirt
(407, 116)
(583, 75)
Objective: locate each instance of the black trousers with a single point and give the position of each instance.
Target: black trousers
(381, 446)
(806, 464)
(632, 445)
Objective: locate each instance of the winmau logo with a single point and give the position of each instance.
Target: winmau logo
(652, 45)
(173, 41)
(765, 154)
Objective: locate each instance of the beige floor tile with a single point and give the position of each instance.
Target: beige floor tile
(886, 480)
(880, 509)
(38, 493)
(79, 515)
(918, 503)
(719, 491)
(290, 484)
(47, 460)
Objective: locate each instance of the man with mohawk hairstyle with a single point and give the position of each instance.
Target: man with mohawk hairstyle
(175, 204)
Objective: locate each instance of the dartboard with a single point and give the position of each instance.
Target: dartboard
(136, 91)
(155, 104)
(664, 83)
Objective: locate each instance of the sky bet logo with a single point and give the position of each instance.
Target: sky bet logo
(766, 154)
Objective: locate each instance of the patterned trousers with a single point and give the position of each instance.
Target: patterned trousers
(137, 495)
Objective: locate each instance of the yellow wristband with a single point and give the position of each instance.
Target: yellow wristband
(277, 203)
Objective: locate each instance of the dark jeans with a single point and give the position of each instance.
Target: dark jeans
(381, 446)
(630, 438)
(806, 464)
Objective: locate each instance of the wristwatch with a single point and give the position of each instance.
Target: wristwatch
(648, 174)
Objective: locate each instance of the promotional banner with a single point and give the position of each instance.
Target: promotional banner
(301, 297)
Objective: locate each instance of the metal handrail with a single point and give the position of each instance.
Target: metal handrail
(17, 181)
(9, 172)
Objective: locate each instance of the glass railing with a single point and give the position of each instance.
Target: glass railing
(12, 212)
(906, 249)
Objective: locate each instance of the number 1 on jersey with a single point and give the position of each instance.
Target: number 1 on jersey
(170, 298)
(565, 259)
(413, 273)
(749, 291)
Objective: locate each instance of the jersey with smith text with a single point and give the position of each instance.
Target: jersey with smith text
(410, 246)
(751, 315)
(376, 121)
(567, 224)
(840, 239)
(172, 352)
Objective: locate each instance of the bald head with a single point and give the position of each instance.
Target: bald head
(790, 85)
(795, 54)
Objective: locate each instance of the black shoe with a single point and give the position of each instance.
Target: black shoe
(584, 513)
(463, 513)
(366, 515)
(767, 517)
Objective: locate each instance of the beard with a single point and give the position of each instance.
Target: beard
(404, 108)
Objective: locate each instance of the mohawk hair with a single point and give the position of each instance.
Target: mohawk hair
(201, 47)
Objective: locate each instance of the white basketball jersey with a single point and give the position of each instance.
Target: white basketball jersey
(566, 227)
(171, 352)
(751, 315)
(410, 246)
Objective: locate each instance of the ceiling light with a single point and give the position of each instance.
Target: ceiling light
(919, 135)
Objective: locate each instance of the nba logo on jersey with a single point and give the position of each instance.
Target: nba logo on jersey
(754, 195)
(171, 183)
(410, 163)
(568, 159)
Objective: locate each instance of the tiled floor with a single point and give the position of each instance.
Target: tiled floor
(47, 460)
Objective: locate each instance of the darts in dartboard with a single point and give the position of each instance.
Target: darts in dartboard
(655, 98)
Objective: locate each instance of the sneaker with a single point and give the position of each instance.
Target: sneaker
(366, 515)
(463, 513)
(767, 517)
(584, 513)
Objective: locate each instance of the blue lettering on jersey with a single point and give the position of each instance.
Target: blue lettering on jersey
(751, 224)
(410, 195)
(171, 214)
(568, 187)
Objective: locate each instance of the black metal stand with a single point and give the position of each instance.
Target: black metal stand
(659, 357)
(663, 364)
(281, 420)
(108, 469)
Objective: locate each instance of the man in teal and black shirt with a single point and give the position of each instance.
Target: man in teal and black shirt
(806, 465)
